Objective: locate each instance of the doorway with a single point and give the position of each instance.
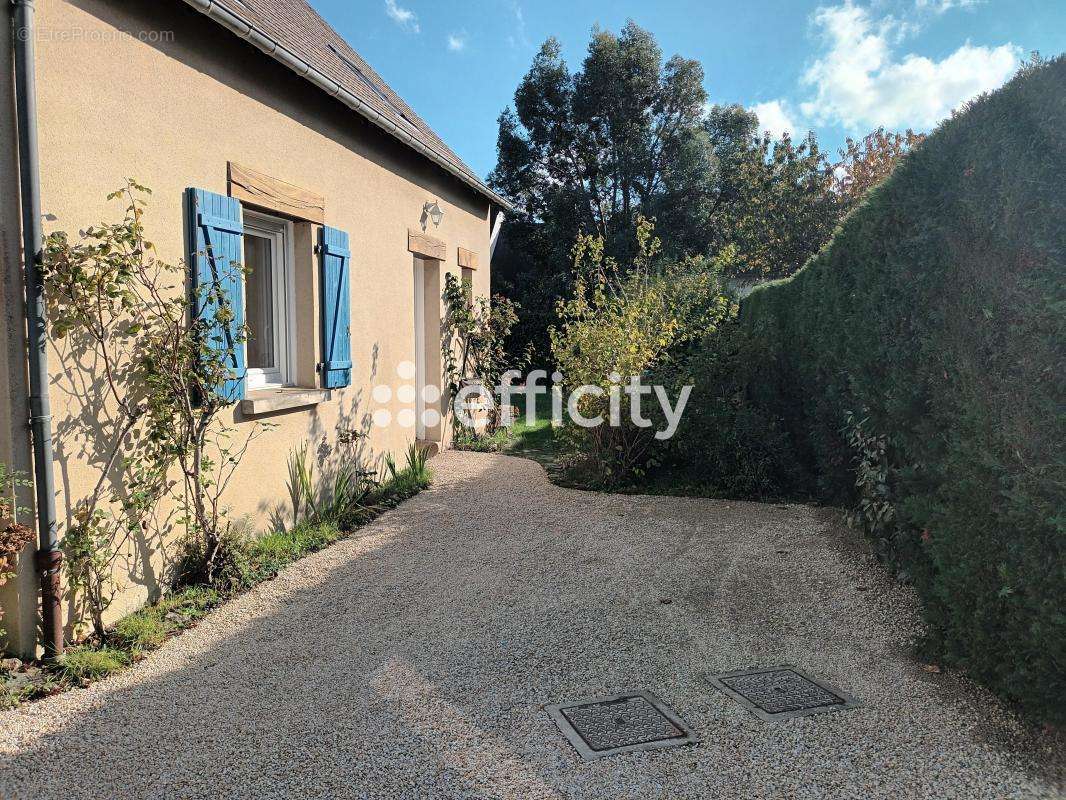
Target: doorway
(428, 365)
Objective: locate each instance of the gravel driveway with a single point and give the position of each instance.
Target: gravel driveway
(414, 661)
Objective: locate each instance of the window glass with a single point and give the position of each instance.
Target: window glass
(259, 289)
(268, 288)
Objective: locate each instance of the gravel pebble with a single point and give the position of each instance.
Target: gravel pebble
(414, 661)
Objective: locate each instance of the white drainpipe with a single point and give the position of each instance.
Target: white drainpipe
(495, 233)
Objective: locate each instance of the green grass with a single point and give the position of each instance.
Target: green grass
(132, 637)
(268, 555)
(401, 485)
(535, 440)
(86, 662)
(141, 631)
(190, 604)
(539, 441)
(264, 557)
(530, 439)
(148, 628)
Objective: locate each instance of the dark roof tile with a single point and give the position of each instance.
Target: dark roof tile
(297, 27)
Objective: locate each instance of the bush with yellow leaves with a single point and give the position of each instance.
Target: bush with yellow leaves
(622, 321)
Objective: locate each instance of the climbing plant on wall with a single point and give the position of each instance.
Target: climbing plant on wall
(473, 333)
(14, 536)
(150, 422)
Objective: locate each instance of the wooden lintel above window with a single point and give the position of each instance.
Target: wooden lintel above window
(259, 189)
(422, 244)
(467, 258)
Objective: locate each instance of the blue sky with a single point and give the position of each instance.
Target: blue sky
(838, 67)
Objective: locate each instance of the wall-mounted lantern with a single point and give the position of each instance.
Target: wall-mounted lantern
(433, 212)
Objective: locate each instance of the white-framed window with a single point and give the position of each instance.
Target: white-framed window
(268, 301)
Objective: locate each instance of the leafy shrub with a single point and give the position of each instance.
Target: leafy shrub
(224, 568)
(873, 512)
(724, 445)
(161, 362)
(621, 322)
(473, 346)
(469, 439)
(938, 308)
(88, 559)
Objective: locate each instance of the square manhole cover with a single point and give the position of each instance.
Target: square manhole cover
(782, 693)
(621, 723)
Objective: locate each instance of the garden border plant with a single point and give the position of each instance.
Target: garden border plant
(14, 536)
(253, 561)
(474, 332)
(628, 320)
(164, 364)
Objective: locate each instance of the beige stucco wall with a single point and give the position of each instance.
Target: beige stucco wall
(171, 113)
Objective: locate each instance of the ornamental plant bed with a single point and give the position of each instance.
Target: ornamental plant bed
(132, 638)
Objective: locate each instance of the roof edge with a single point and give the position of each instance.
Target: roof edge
(280, 53)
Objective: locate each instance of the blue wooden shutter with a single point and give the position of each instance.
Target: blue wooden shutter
(216, 240)
(336, 259)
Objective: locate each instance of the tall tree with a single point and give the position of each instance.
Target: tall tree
(628, 136)
(867, 162)
(587, 152)
(773, 201)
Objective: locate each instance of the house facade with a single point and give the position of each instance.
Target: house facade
(262, 133)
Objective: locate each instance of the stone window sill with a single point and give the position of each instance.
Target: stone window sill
(266, 401)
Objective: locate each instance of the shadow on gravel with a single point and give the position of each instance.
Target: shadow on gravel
(294, 701)
(415, 660)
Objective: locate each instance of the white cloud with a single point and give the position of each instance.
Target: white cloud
(859, 82)
(518, 38)
(457, 41)
(943, 6)
(404, 17)
(774, 117)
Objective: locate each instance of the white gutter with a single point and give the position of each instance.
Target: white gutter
(496, 227)
(271, 47)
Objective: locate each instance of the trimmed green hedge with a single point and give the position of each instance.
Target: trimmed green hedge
(938, 313)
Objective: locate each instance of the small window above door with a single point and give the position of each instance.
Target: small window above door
(269, 295)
